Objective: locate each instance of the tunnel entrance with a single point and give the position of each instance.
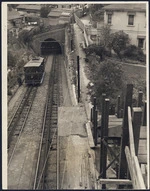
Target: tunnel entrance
(50, 46)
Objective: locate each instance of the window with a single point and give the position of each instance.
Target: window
(141, 42)
(109, 18)
(131, 20)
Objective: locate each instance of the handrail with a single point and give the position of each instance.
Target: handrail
(131, 137)
(132, 159)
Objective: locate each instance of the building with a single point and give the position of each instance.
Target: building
(55, 13)
(62, 15)
(15, 22)
(130, 18)
(66, 6)
(65, 17)
(29, 9)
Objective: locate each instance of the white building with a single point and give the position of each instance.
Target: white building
(130, 18)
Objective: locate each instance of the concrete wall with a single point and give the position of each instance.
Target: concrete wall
(58, 35)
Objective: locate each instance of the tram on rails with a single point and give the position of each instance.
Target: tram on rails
(34, 71)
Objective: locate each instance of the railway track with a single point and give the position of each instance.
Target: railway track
(46, 170)
(17, 123)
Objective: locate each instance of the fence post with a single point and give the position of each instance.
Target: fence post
(136, 118)
(94, 107)
(78, 69)
(102, 127)
(118, 107)
(125, 133)
(144, 123)
(92, 114)
(140, 96)
(94, 110)
(105, 137)
(95, 127)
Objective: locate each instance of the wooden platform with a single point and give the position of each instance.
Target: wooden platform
(114, 126)
(142, 151)
(115, 130)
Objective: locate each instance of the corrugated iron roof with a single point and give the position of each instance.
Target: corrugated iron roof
(65, 14)
(34, 62)
(29, 7)
(126, 7)
(54, 14)
(13, 14)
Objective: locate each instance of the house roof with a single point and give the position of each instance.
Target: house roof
(29, 7)
(9, 25)
(54, 14)
(13, 14)
(65, 14)
(126, 7)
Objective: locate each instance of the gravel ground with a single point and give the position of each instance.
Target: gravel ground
(22, 168)
(15, 101)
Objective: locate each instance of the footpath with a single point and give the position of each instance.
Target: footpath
(79, 164)
(76, 167)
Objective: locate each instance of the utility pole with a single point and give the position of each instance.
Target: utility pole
(78, 70)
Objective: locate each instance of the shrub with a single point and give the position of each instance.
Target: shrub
(119, 41)
(133, 52)
(99, 50)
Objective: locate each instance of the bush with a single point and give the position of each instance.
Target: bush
(99, 50)
(119, 42)
(133, 52)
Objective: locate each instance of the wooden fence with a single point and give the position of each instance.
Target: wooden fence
(134, 119)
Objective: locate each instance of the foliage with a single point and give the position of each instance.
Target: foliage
(105, 36)
(11, 60)
(133, 52)
(45, 11)
(109, 79)
(99, 50)
(95, 7)
(119, 42)
(98, 15)
(96, 12)
(24, 36)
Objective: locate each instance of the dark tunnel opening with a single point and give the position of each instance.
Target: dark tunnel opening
(50, 46)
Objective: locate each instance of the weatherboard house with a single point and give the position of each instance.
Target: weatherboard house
(130, 18)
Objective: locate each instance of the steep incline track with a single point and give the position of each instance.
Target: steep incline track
(46, 172)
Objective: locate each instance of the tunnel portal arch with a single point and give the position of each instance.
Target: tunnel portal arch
(50, 46)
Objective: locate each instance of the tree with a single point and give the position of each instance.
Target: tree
(109, 79)
(96, 7)
(105, 36)
(119, 41)
(45, 11)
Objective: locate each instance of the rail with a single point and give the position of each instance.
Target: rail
(48, 142)
(40, 166)
(132, 159)
(18, 121)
